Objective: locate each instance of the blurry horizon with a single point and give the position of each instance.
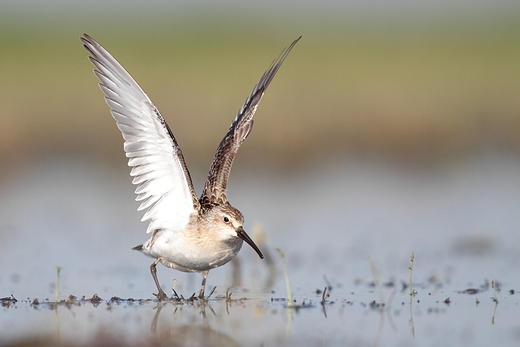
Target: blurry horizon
(401, 80)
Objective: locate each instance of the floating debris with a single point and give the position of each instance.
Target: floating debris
(470, 291)
(8, 301)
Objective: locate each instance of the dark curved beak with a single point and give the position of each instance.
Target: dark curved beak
(243, 235)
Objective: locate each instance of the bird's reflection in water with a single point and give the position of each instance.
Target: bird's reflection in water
(192, 335)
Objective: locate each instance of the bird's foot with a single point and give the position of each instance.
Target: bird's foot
(206, 298)
(161, 296)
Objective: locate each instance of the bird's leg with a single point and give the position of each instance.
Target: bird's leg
(203, 286)
(153, 270)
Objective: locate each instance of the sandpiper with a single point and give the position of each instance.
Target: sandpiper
(188, 234)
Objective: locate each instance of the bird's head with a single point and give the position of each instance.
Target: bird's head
(228, 221)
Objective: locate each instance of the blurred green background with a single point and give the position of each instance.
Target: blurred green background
(409, 81)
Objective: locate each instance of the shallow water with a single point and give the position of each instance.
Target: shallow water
(460, 220)
(264, 320)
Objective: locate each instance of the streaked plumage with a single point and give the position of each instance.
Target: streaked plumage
(188, 234)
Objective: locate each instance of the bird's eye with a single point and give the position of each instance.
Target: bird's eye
(226, 219)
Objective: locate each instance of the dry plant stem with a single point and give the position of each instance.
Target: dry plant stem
(58, 269)
(289, 295)
(494, 313)
(410, 266)
(410, 322)
(495, 298)
(376, 280)
(287, 284)
(388, 305)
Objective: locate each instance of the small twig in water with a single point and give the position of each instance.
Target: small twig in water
(210, 293)
(228, 295)
(324, 296)
(495, 298)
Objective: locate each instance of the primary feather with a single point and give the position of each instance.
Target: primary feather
(163, 182)
(216, 184)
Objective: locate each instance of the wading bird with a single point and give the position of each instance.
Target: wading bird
(187, 234)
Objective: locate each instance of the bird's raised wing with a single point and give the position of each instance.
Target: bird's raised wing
(215, 188)
(163, 182)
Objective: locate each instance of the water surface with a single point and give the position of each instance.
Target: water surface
(460, 220)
